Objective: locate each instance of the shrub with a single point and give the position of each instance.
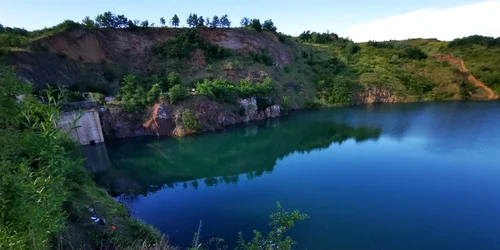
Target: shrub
(415, 53)
(182, 46)
(154, 93)
(341, 92)
(262, 57)
(189, 120)
(131, 95)
(178, 93)
(226, 91)
(35, 161)
(475, 40)
(415, 84)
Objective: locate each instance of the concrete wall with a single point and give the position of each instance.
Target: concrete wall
(88, 126)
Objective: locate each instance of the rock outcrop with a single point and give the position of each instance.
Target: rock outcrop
(374, 94)
(164, 119)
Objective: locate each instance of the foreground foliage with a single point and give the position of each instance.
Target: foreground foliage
(35, 161)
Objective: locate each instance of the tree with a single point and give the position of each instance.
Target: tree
(245, 22)
(281, 222)
(145, 23)
(131, 95)
(215, 22)
(207, 22)
(269, 25)
(224, 21)
(105, 20)
(154, 93)
(2, 29)
(255, 24)
(173, 79)
(200, 22)
(177, 93)
(192, 20)
(110, 20)
(89, 23)
(175, 21)
(162, 21)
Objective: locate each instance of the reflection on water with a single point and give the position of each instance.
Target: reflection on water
(405, 176)
(150, 164)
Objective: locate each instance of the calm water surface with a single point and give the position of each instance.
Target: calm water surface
(405, 176)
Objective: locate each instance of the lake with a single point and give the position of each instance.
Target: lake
(391, 176)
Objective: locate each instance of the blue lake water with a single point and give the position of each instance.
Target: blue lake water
(392, 176)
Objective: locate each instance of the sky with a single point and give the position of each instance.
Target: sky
(360, 20)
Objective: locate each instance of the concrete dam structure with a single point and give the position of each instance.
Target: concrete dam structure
(88, 129)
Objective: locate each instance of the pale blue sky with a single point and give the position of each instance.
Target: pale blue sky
(291, 17)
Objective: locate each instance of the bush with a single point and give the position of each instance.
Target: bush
(35, 161)
(475, 40)
(415, 84)
(178, 93)
(262, 57)
(189, 120)
(131, 95)
(415, 53)
(182, 46)
(154, 93)
(226, 91)
(340, 92)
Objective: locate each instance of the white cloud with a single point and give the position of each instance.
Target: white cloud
(444, 24)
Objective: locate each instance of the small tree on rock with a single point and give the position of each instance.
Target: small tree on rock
(162, 21)
(178, 93)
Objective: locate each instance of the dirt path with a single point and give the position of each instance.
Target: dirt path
(452, 60)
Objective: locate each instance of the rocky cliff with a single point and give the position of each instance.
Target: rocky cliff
(164, 119)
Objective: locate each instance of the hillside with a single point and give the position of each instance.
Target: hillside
(215, 72)
(165, 81)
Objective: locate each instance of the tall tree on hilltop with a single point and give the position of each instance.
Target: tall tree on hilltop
(255, 24)
(215, 22)
(207, 22)
(189, 20)
(245, 22)
(195, 20)
(269, 25)
(110, 20)
(162, 21)
(200, 22)
(145, 23)
(192, 20)
(175, 21)
(86, 21)
(224, 21)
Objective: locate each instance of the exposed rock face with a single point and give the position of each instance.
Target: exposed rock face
(273, 111)
(250, 107)
(373, 94)
(117, 123)
(161, 122)
(165, 119)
